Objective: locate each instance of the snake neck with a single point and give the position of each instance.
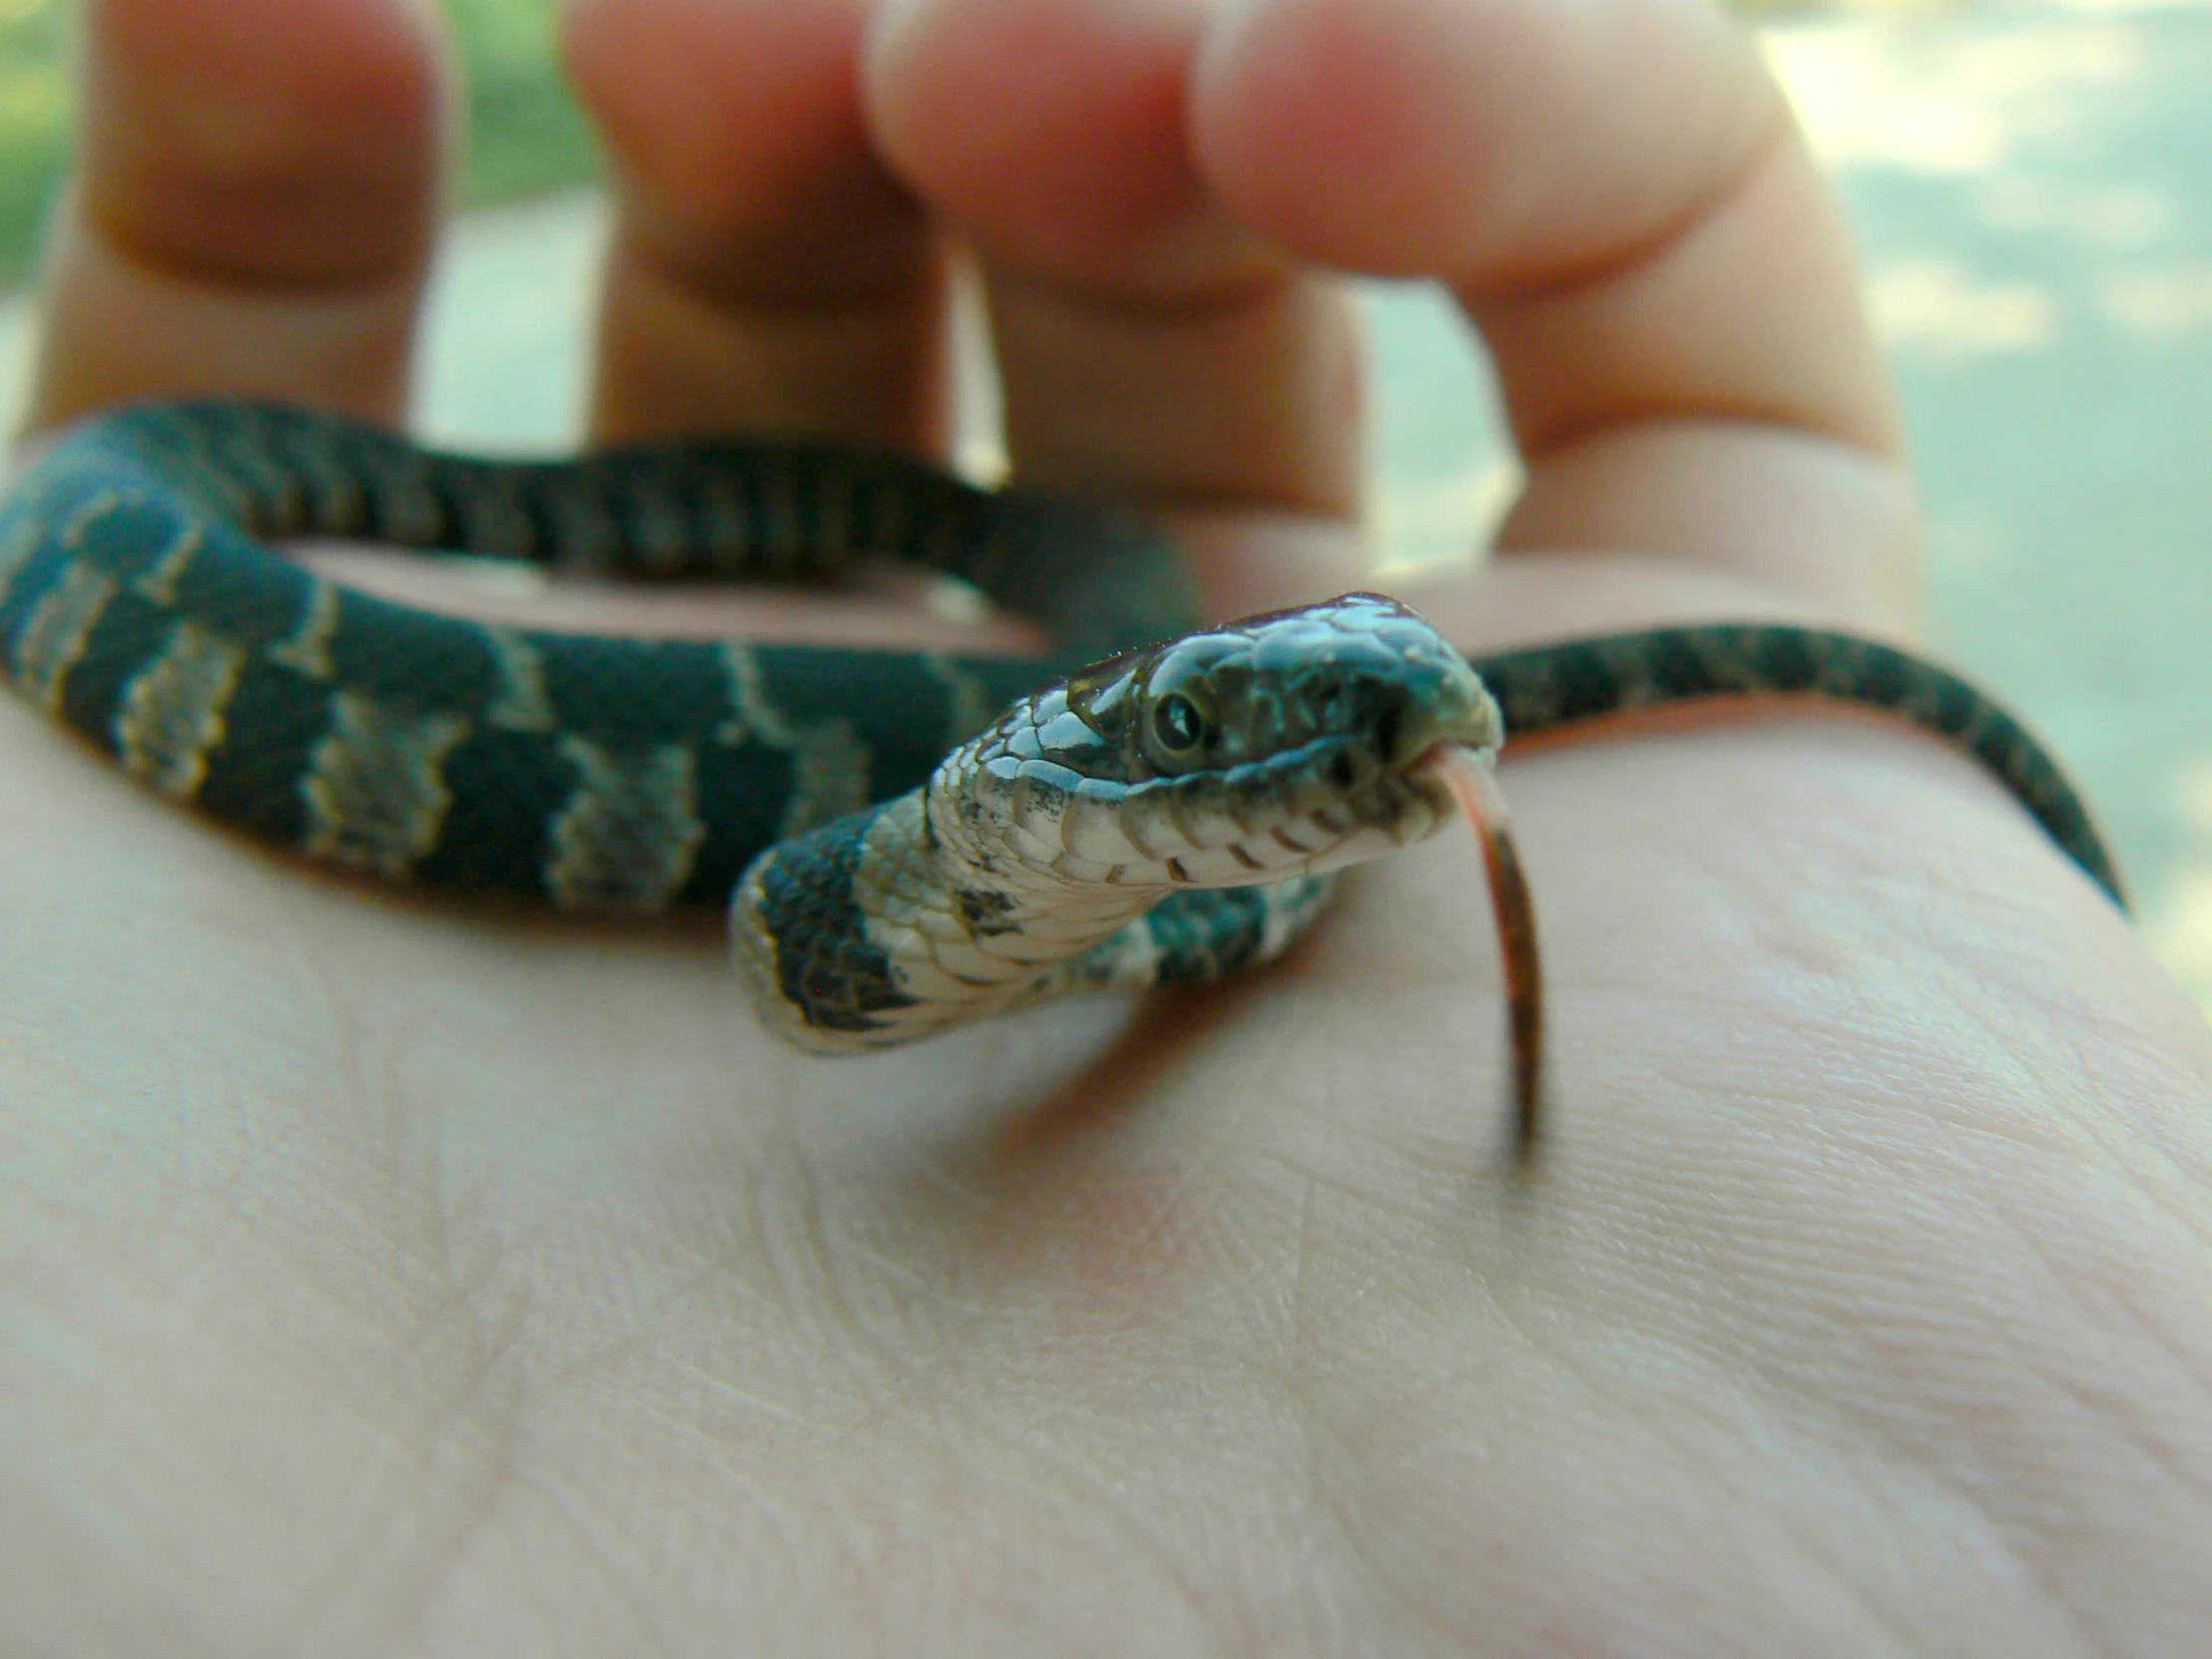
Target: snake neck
(880, 929)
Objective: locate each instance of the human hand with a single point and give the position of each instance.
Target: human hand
(382, 1276)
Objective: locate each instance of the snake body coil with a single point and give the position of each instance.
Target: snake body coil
(914, 838)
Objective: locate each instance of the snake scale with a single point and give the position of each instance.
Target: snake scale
(913, 838)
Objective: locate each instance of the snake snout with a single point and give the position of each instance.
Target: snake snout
(1457, 712)
(1366, 670)
(1438, 700)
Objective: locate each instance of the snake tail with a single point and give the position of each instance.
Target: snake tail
(1550, 687)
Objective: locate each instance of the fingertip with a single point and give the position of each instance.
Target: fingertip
(1148, 346)
(1500, 139)
(767, 273)
(736, 127)
(255, 197)
(1307, 121)
(1054, 132)
(295, 144)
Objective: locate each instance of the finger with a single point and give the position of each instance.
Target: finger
(253, 207)
(1149, 347)
(767, 273)
(1622, 205)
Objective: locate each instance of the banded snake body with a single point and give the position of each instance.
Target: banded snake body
(1160, 801)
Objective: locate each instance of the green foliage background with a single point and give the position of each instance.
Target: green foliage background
(525, 132)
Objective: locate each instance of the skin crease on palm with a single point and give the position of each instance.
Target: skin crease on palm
(381, 1278)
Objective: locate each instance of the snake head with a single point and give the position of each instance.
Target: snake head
(1281, 745)
(1360, 675)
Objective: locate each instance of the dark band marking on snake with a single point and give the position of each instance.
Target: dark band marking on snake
(913, 838)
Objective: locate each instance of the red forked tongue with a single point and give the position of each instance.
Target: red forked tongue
(1476, 786)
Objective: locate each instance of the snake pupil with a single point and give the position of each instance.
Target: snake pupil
(1175, 723)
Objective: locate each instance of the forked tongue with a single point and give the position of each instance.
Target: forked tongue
(1474, 785)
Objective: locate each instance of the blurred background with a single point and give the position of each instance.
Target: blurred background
(2031, 186)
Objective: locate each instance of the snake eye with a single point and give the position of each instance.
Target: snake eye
(1177, 722)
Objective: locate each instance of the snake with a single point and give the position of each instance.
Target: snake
(904, 840)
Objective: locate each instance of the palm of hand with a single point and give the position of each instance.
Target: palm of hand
(517, 1256)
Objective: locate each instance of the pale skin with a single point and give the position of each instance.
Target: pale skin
(377, 1277)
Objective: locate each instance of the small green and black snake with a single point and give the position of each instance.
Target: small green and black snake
(913, 838)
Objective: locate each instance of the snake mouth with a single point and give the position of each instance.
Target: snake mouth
(1331, 801)
(1304, 811)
